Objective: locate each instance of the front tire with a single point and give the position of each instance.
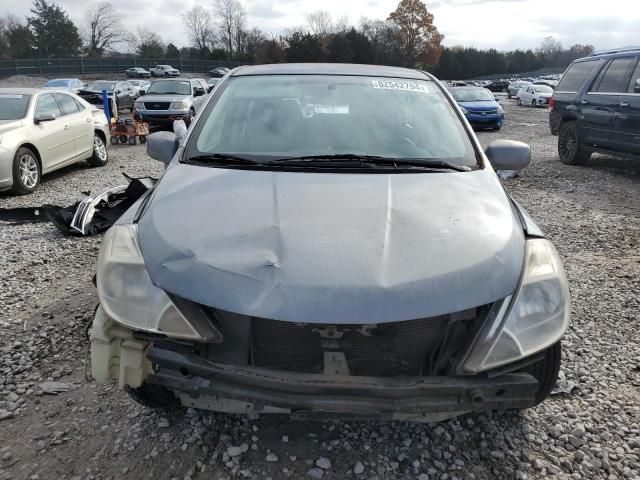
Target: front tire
(569, 148)
(153, 396)
(26, 172)
(190, 118)
(546, 372)
(533, 103)
(519, 101)
(100, 156)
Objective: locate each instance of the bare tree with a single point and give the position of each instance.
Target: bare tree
(240, 29)
(147, 43)
(231, 19)
(320, 23)
(104, 28)
(200, 28)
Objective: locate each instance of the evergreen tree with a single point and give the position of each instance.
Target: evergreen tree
(55, 35)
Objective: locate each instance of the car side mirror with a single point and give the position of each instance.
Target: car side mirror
(508, 155)
(198, 92)
(142, 92)
(44, 117)
(496, 99)
(162, 146)
(118, 92)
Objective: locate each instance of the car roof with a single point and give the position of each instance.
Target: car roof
(328, 69)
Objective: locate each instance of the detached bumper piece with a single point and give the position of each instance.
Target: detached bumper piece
(263, 390)
(89, 216)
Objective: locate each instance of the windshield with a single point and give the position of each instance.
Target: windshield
(543, 89)
(281, 116)
(176, 87)
(57, 83)
(13, 106)
(101, 85)
(473, 95)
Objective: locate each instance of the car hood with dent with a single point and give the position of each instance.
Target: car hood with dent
(332, 248)
(153, 97)
(87, 92)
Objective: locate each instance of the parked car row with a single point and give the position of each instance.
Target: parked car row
(169, 71)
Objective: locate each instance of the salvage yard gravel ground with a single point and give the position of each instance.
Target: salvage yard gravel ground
(54, 424)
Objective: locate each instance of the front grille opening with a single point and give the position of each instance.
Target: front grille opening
(427, 346)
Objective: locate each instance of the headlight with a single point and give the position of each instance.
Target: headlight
(126, 292)
(536, 319)
(138, 105)
(500, 109)
(179, 106)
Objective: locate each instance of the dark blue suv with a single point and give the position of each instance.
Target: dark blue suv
(596, 107)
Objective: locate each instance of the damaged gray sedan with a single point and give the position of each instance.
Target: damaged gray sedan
(330, 240)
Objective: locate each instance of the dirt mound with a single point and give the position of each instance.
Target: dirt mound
(22, 81)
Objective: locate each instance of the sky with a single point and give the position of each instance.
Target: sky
(499, 24)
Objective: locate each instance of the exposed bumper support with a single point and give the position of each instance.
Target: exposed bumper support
(392, 396)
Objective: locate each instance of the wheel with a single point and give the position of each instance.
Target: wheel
(569, 145)
(153, 396)
(509, 95)
(189, 118)
(533, 103)
(142, 138)
(123, 138)
(546, 372)
(132, 140)
(100, 157)
(519, 101)
(114, 140)
(26, 171)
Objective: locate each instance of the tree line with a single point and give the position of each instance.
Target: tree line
(407, 37)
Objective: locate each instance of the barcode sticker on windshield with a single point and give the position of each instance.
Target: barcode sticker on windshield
(405, 86)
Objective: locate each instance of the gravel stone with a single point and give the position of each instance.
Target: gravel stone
(315, 473)
(234, 451)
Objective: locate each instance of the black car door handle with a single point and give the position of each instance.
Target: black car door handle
(623, 104)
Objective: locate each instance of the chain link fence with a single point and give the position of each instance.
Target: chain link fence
(83, 66)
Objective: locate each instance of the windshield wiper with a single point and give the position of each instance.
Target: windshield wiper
(223, 158)
(376, 160)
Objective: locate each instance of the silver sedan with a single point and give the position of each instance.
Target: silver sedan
(42, 131)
